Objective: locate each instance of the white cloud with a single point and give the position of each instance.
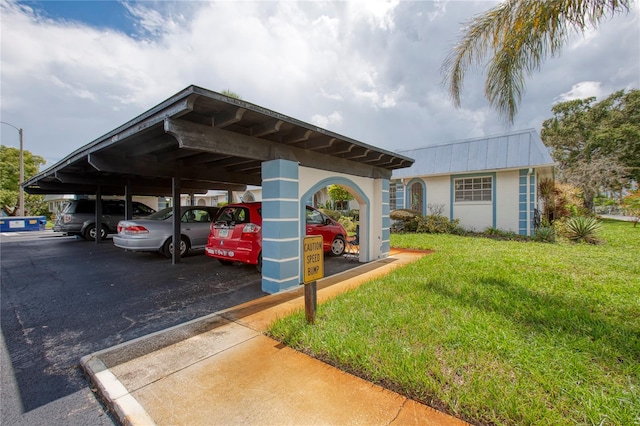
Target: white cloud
(440, 10)
(152, 22)
(325, 121)
(584, 89)
(378, 13)
(375, 65)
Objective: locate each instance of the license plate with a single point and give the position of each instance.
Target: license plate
(224, 233)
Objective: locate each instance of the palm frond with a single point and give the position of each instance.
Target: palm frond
(519, 35)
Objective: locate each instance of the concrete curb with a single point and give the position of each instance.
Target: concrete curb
(126, 407)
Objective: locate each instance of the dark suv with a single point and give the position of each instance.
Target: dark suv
(78, 218)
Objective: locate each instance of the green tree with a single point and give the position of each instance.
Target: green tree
(340, 195)
(631, 205)
(10, 179)
(596, 144)
(520, 35)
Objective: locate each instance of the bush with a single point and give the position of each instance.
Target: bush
(545, 234)
(349, 224)
(354, 214)
(582, 228)
(404, 214)
(436, 224)
(409, 219)
(500, 234)
(333, 214)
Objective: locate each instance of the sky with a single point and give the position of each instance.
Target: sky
(72, 71)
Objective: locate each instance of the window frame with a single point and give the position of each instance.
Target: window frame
(393, 196)
(474, 189)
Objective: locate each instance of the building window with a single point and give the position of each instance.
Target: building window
(393, 198)
(473, 189)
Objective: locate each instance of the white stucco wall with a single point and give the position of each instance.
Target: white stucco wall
(474, 216)
(370, 216)
(438, 193)
(507, 193)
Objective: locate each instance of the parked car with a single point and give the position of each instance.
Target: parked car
(155, 232)
(79, 217)
(236, 233)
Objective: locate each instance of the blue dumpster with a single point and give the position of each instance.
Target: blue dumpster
(22, 223)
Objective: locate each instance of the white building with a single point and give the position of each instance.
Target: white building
(488, 182)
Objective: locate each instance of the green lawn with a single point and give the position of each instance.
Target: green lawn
(495, 332)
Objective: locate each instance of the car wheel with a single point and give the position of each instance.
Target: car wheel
(225, 262)
(259, 264)
(168, 247)
(337, 246)
(91, 233)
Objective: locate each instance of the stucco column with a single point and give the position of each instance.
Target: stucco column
(385, 246)
(280, 225)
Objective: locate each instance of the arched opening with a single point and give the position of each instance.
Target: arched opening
(359, 196)
(417, 198)
(248, 197)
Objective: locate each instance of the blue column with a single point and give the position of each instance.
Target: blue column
(527, 201)
(280, 226)
(400, 196)
(386, 221)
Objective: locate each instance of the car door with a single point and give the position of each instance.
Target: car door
(316, 225)
(195, 225)
(112, 213)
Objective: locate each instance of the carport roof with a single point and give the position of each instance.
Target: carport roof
(208, 141)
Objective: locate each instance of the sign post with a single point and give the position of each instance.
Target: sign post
(313, 269)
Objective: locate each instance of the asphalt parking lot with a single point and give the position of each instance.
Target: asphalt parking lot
(63, 298)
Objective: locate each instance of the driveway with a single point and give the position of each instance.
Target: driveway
(64, 298)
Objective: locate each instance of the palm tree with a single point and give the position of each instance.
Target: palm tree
(520, 34)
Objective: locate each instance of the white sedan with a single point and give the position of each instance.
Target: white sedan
(154, 232)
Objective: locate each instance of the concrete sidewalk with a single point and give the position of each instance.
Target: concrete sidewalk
(222, 370)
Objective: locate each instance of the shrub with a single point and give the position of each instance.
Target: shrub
(397, 226)
(491, 231)
(404, 214)
(409, 219)
(333, 214)
(436, 224)
(348, 223)
(582, 228)
(545, 234)
(631, 206)
(354, 214)
(435, 209)
(502, 235)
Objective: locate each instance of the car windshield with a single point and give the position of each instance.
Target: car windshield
(163, 214)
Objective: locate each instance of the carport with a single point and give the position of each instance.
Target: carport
(199, 140)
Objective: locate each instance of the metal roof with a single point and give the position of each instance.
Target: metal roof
(208, 141)
(514, 150)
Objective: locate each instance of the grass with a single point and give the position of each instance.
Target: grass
(495, 332)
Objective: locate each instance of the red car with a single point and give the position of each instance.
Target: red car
(236, 233)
